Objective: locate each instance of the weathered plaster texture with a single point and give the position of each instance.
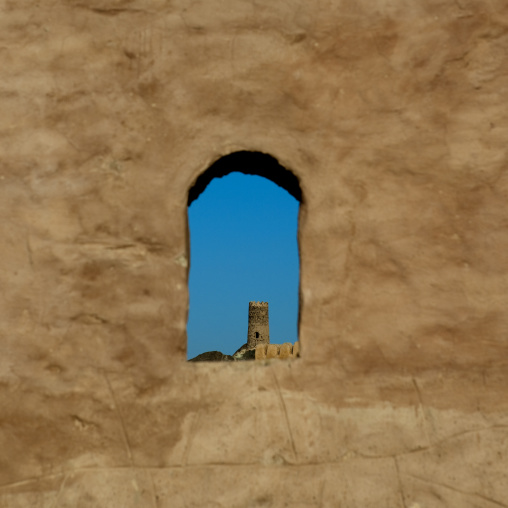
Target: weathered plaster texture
(393, 116)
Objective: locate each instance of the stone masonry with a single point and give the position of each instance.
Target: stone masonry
(258, 331)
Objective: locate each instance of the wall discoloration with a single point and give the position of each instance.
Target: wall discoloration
(390, 116)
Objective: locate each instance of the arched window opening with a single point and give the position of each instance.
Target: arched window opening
(245, 198)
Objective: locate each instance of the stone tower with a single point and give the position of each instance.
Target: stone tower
(258, 331)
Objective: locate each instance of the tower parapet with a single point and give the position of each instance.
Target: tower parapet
(258, 331)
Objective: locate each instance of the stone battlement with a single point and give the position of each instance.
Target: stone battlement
(280, 351)
(258, 304)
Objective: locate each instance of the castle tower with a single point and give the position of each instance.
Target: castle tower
(258, 331)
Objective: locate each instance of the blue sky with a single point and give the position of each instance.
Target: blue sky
(243, 239)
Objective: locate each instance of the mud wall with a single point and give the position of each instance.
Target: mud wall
(392, 116)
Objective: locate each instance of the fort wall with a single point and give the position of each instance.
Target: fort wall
(392, 117)
(277, 351)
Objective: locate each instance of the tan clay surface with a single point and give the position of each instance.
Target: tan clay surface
(392, 114)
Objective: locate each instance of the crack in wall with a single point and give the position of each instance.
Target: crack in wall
(426, 415)
(401, 489)
(460, 491)
(286, 416)
(60, 490)
(120, 418)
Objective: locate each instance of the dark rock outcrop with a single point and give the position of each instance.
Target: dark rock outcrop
(245, 354)
(240, 355)
(212, 356)
(241, 349)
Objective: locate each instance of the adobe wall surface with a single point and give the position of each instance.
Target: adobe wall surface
(393, 116)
